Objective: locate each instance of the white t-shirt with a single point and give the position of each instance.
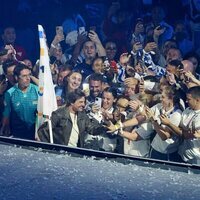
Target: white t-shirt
(190, 148)
(171, 144)
(106, 143)
(73, 140)
(140, 147)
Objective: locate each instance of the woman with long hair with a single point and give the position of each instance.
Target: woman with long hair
(104, 113)
(165, 144)
(71, 82)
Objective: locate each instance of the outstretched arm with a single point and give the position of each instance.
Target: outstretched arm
(130, 135)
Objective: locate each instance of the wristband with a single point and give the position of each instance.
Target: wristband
(133, 53)
(53, 46)
(117, 126)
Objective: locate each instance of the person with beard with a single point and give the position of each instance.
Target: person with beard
(95, 86)
(70, 123)
(95, 90)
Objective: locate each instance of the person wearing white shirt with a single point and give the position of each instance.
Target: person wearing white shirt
(165, 144)
(189, 128)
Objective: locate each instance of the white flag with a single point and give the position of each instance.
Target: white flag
(47, 99)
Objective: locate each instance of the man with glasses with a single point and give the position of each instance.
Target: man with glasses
(20, 105)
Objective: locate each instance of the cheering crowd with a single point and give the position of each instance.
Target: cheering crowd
(135, 92)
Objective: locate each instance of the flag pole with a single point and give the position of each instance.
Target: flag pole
(50, 131)
(47, 102)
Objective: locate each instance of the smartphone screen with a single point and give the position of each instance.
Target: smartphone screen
(81, 30)
(98, 101)
(86, 86)
(93, 28)
(59, 30)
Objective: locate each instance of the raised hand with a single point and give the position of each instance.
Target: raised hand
(150, 46)
(124, 59)
(134, 104)
(136, 47)
(158, 31)
(171, 78)
(94, 37)
(95, 108)
(164, 119)
(111, 127)
(149, 113)
(190, 79)
(57, 39)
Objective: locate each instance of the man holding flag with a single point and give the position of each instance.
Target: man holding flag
(20, 104)
(70, 123)
(25, 99)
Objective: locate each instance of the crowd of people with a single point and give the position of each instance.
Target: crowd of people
(136, 93)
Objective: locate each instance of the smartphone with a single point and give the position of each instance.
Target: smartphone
(161, 27)
(98, 101)
(162, 111)
(148, 85)
(81, 30)
(59, 30)
(86, 86)
(93, 28)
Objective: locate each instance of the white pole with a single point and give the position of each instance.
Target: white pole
(50, 131)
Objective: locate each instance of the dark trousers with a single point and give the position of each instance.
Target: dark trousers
(174, 157)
